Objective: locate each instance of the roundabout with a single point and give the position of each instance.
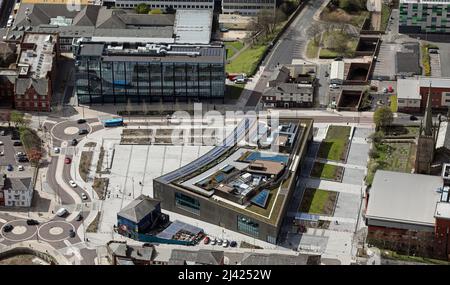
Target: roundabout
(68, 130)
(55, 231)
(20, 232)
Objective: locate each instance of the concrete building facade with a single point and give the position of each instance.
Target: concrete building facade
(424, 16)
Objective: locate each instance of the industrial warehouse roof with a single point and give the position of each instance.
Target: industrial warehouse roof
(404, 197)
(138, 208)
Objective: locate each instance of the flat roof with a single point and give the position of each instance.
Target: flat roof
(193, 26)
(408, 88)
(404, 197)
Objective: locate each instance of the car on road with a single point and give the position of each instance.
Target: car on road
(206, 240)
(62, 212)
(225, 243)
(74, 142)
(1, 143)
(233, 243)
(79, 217)
(67, 160)
(83, 132)
(20, 168)
(17, 143)
(81, 121)
(8, 228)
(413, 118)
(9, 167)
(2, 153)
(84, 196)
(2, 133)
(72, 183)
(327, 74)
(57, 150)
(213, 241)
(71, 233)
(32, 222)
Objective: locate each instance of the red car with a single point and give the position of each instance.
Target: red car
(67, 160)
(206, 240)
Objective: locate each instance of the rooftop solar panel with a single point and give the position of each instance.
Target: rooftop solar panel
(261, 199)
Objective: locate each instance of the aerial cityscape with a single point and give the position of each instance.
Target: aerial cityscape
(224, 132)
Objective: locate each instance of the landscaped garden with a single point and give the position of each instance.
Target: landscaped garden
(336, 143)
(317, 201)
(233, 47)
(327, 171)
(339, 11)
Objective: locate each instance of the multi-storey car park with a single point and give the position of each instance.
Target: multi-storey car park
(241, 186)
(424, 16)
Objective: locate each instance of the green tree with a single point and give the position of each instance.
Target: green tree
(383, 117)
(142, 8)
(155, 12)
(17, 118)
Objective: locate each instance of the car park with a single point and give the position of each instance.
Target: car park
(8, 228)
(67, 160)
(72, 183)
(32, 222)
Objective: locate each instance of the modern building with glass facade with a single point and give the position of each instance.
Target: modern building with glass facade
(424, 16)
(108, 73)
(177, 193)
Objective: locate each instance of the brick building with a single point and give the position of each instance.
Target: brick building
(409, 213)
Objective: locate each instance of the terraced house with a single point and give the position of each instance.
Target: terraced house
(424, 16)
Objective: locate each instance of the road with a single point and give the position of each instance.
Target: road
(6, 11)
(290, 46)
(51, 180)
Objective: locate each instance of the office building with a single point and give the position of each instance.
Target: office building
(162, 4)
(247, 7)
(424, 16)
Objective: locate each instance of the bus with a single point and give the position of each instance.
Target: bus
(116, 122)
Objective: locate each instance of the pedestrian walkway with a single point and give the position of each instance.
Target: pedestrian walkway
(345, 165)
(332, 186)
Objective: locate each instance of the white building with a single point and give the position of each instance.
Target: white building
(337, 72)
(408, 94)
(16, 192)
(247, 7)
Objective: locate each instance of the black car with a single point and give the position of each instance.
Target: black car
(72, 233)
(413, 118)
(233, 243)
(8, 228)
(74, 142)
(17, 143)
(83, 132)
(81, 121)
(32, 222)
(79, 217)
(22, 159)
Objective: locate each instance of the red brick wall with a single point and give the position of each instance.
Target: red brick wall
(436, 96)
(442, 236)
(27, 102)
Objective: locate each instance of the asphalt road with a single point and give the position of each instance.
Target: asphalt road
(67, 177)
(290, 46)
(6, 11)
(51, 179)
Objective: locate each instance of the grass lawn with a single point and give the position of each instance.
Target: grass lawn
(247, 61)
(394, 105)
(334, 145)
(233, 47)
(325, 171)
(99, 186)
(385, 14)
(234, 91)
(312, 49)
(317, 201)
(393, 255)
(330, 53)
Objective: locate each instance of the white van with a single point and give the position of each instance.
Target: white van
(61, 212)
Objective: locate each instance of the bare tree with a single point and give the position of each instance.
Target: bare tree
(314, 32)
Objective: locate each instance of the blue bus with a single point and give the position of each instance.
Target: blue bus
(116, 122)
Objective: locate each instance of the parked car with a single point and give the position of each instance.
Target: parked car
(67, 160)
(62, 212)
(225, 243)
(2, 153)
(79, 217)
(17, 143)
(81, 121)
(74, 142)
(9, 167)
(21, 168)
(8, 228)
(22, 159)
(213, 241)
(233, 243)
(84, 196)
(413, 118)
(334, 86)
(206, 240)
(32, 222)
(219, 242)
(1, 143)
(72, 183)
(57, 150)
(71, 233)
(224, 30)
(83, 132)
(2, 133)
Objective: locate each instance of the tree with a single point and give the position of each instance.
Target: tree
(383, 117)
(314, 31)
(142, 9)
(17, 118)
(376, 137)
(35, 156)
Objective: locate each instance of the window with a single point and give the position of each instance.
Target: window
(247, 226)
(271, 239)
(187, 203)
